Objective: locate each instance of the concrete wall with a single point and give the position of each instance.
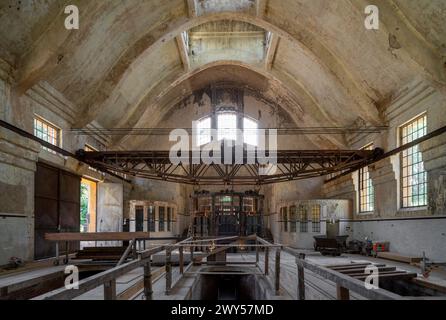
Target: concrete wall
(409, 230)
(339, 211)
(410, 237)
(17, 167)
(18, 157)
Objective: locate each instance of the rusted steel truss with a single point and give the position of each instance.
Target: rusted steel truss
(291, 165)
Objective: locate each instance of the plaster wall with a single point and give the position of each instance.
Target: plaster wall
(409, 230)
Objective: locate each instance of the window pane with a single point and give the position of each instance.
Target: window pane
(413, 175)
(227, 125)
(47, 132)
(366, 191)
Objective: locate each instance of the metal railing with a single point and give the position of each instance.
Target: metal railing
(108, 278)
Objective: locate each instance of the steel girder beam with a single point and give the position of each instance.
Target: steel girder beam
(291, 165)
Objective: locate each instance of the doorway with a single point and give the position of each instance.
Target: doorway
(88, 192)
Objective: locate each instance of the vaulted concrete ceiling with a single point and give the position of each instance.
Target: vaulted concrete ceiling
(128, 64)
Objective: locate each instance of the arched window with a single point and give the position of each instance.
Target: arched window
(226, 124)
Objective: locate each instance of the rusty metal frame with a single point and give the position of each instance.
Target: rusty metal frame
(291, 165)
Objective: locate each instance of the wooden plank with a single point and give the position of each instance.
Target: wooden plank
(277, 272)
(391, 276)
(300, 283)
(266, 261)
(348, 266)
(96, 236)
(429, 284)
(142, 284)
(398, 257)
(92, 282)
(110, 290)
(362, 270)
(28, 279)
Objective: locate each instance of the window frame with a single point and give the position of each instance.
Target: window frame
(303, 218)
(57, 137)
(402, 157)
(316, 219)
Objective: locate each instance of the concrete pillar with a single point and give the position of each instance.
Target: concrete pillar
(18, 157)
(434, 158)
(385, 184)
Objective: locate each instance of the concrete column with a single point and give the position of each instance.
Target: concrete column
(434, 158)
(18, 157)
(341, 188)
(385, 184)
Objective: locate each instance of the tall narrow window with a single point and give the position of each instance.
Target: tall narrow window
(250, 133)
(303, 218)
(284, 211)
(293, 216)
(151, 218)
(169, 219)
(47, 132)
(413, 175)
(203, 131)
(161, 219)
(316, 218)
(366, 191)
(227, 126)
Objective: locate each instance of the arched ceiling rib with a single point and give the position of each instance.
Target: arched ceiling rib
(121, 60)
(264, 85)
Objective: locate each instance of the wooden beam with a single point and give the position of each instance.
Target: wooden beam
(110, 290)
(191, 8)
(277, 272)
(271, 51)
(92, 282)
(96, 236)
(398, 257)
(300, 283)
(184, 54)
(342, 293)
(348, 265)
(390, 276)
